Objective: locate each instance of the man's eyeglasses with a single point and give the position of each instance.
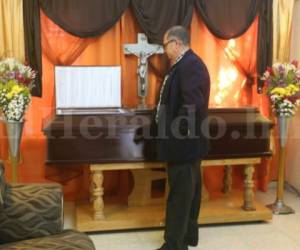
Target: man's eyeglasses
(166, 43)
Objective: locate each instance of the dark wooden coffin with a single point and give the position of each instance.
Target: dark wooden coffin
(234, 133)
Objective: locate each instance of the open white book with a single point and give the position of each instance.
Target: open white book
(87, 89)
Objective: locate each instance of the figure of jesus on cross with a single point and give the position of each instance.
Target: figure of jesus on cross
(143, 50)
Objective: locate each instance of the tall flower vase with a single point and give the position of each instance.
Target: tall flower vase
(278, 207)
(14, 134)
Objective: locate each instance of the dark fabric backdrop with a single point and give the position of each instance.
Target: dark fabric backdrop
(86, 18)
(227, 19)
(156, 16)
(265, 40)
(31, 15)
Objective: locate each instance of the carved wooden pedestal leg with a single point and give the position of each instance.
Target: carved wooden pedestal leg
(227, 179)
(248, 188)
(97, 194)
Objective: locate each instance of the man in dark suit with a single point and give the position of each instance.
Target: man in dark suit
(182, 137)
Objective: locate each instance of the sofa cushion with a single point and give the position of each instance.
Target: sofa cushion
(31, 211)
(69, 239)
(2, 184)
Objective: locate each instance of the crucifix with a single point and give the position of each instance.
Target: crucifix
(143, 50)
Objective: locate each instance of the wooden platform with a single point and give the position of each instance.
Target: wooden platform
(239, 206)
(226, 209)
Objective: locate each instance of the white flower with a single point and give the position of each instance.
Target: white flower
(276, 65)
(289, 66)
(265, 76)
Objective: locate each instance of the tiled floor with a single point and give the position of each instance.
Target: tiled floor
(282, 233)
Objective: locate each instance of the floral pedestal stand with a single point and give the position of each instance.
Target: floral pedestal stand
(14, 134)
(278, 207)
(16, 82)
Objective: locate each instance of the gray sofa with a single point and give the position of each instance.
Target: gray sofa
(31, 217)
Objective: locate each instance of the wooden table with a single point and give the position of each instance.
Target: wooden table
(235, 207)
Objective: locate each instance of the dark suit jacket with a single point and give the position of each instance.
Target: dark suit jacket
(182, 125)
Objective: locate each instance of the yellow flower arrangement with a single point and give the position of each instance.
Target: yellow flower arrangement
(16, 80)
(290, 90)
(283, 88)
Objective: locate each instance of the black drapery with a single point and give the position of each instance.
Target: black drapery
(32, 37)
(86, 18)
(81, 18)
(264, 40)
(228, 19)
(156, 16)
